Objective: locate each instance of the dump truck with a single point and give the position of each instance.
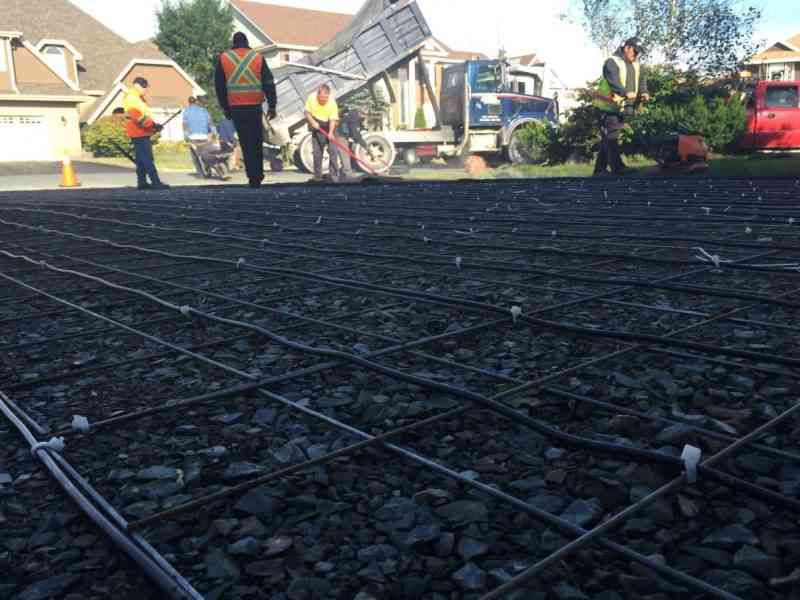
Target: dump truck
(478, 111)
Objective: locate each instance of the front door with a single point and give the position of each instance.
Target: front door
(779, 117)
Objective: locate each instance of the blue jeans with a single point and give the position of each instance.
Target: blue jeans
(145, 163)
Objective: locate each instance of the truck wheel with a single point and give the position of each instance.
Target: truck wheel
(307, 156)
(380, 153)
(517, 153)
(410, 157)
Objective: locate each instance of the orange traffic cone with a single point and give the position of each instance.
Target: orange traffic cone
(68, 177)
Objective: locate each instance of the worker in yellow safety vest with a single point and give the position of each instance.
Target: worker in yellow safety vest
(622, 87)
(243, 81)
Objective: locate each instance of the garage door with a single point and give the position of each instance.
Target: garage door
(24, 138)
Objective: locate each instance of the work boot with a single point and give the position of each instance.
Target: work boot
(159, 186)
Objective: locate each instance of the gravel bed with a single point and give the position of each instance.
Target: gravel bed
(422, 294)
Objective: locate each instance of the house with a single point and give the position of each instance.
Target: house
(38, 105)
(54, 40)
(779, 62)
(284, 34)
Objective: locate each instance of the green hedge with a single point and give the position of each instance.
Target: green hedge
(100, 136)
(681, 103)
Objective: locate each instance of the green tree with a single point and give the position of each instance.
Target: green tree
(193, 33)
(711, 37)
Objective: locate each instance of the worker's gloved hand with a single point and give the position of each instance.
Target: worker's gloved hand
(272, 113)
(631, 95)
(645, 97)
(158, 127)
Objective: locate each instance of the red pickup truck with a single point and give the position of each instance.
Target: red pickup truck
(773, 116)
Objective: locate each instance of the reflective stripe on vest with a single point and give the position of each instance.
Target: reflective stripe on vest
(242, 68)
(623, 71)
(604, 98)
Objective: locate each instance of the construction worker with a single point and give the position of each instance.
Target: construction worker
(243, 80)
(197, 127)
(349, 128)
(322, 115)
(622, 87)
(140, 127)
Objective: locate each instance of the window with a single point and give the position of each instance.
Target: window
(286, 57)
(782, 96)
(521, 87)
(487, 79)
(56, 59)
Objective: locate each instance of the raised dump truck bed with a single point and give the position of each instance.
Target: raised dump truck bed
(382, 34)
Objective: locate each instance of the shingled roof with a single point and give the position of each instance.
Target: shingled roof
(104, 52)
(288, 26)
(788, 50)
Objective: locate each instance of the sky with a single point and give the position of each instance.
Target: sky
(520, 26)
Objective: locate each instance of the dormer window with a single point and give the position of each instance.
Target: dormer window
(56, 59)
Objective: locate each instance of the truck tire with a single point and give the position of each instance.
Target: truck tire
(516, 152)
(306, 153)
(383, 150)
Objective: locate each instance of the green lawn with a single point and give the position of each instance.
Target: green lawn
(172, 157)
(720, 166)
(756, 166)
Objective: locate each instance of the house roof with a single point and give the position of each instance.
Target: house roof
(104, 52)
(286, 25)
(527, 60)
(460, 54)
(790, 49)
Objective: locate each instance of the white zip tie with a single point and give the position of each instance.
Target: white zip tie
(185, 310)
(748, 230)
(516, 312)
(691, 457)
(458, 262)
(791, 221)
(239, 263)
(426, 239)
(358, 232)
(55, 443)
(319, 220)
(706, 257)
(377, 222)
(554, 233)
(80, 424)
(707, 209)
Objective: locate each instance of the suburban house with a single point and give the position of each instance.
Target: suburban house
(284, 34)
(39, 116)
(779, 62)
(61, 69)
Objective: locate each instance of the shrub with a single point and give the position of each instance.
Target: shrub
(681, 103)
(99, 138)
(719, 121)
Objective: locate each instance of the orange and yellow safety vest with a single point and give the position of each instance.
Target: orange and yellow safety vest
(139, 118)
(242, 68)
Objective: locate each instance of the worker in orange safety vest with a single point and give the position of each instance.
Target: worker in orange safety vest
(140, 127)
(243, 80)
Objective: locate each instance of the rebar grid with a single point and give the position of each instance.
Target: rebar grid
(522, 235)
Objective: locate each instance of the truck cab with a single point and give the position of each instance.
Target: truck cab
(478, 101)
(773, 117)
